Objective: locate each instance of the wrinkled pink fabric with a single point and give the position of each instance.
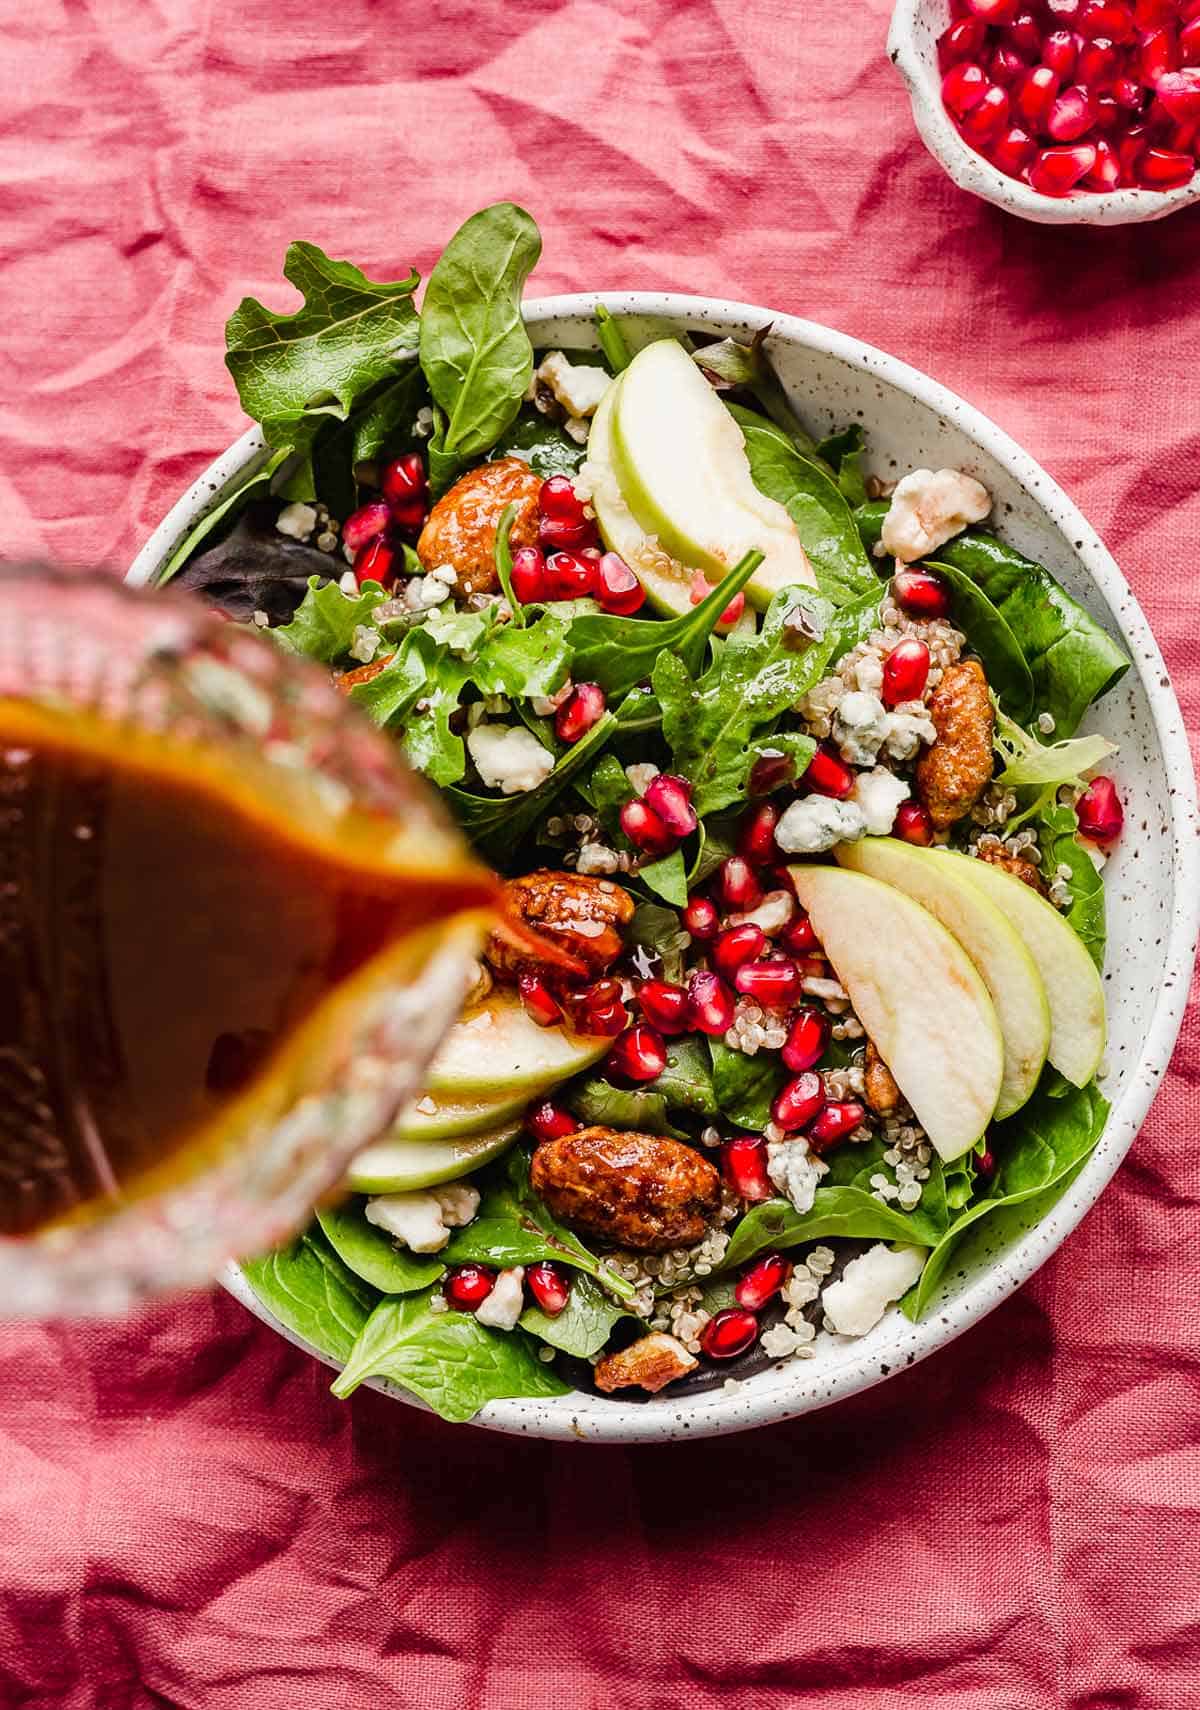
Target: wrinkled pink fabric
(186, 1517)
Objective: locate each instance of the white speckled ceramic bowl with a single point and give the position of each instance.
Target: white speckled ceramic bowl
(1153, 879)
(912, 45)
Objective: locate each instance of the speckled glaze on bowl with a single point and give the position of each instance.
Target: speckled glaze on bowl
(1153, 879)
(912, 46)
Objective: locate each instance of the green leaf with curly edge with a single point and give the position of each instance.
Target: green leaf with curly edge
(988, 632)
(620, 652)
(595, 1102)
(847, 1211)
(1056, 826)
(475, 351)
(1026, 761)
(309, 1289)
(1037, 1150)
(294, 372)
(326, 619)
(583, 1326)
(241, 495)
(371, 1253)
(744, 1086)
(447, 1359)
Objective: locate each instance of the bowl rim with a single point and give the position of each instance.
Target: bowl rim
(571, 1419)
(972, 172)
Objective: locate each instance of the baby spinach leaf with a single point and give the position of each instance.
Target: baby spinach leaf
(372, 1254)
(686, 1082)
(543, 443)
(1004, 663)
(612, 341)
(294, 372)
(853, 623)
(847, 1211)
(1037, 1149)
(667, 878)
(1028, 761)
(308, 1288)
(822, 517)
(595, 1102)
(584, 1324)
(844, 453)
(447, 1359)
(711, 724)
(496, 824)
(868, 519)
(1056, 826)
(475, 350)
(618, 652)
(326, 619)
(743, 1086)
(656, 932)
(388, 418)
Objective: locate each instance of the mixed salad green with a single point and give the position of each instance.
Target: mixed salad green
(646, 636)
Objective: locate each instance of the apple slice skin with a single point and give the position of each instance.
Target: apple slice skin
(497, 1049)
(457, 1118)
(996, 948)
(667, 589)
(394, 1165)
(919, 996)
(1078, 1025)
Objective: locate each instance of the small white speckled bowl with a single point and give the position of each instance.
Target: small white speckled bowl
(1152, 880)
(912, 45)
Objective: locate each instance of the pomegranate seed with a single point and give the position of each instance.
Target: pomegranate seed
(1035, 96)
(913, 824)
(539, 1001)
(528, 575)
(549, 1286)
(763, 1281)
(1127, 92)
(583, 708)
(922, 593)
(468, 1286)
(905, 672)
(770, 772)
(569, 576)
(1111, 18)
(798, 1101)
(800, 937)
(1025, 36)
(1060, 53)
(617, 588)
(1007, 68)
(1158, 55)
(665, 1006)
(738, 884)
(963, 87)
(555, 535)
(1106, 174)
(1064, 11)
(1056, 171)
(598, 1009)
(1189, 11)
(1071, 115)
(364, 524)
(736, 946)
(700, 918)
(993, 12)
(990, 116)
(829, 775)
(1097, 63)
(710, 1004)
(756, 838)
(1108, 115)
(638, 1055)
(728, 1333)
(775, 981)
(834, 1123)
(410, 516)
(1129, 152)
(806, 1041)
(963, 40)
(1165, 169)
(1013, 151)
(1149, 14)
(403, 480)
(550, 1121)
(645, 830)
(1179, 92)
(670, 797)
(559, 499)
(700, 590)
(1189, 43)
(376, 562)
(744, 1166)
(1099, 811)
(985, 1164)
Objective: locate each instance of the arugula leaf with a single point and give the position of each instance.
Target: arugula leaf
(1057, 826)
(743, 1086)
(543, 442)
(326, 619)
(584, 1324)
(496, 824)
(849, 1211)
(308, 1288)
(447, 1359)
(822, 517)
(372, 1254)
(475, 351)
(1028, 761)
(988, 632)
(711, 724)
(619, 652)
(1038, 1149)
(667, 878)
(294, 372)
(844, 453)
(596, 1102)
(241, 494)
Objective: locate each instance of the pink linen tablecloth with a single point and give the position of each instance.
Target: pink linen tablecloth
(186, 1517)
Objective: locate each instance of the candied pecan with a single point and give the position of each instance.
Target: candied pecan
(461, 528)
(347, 680)
(881, 1091)
(579, 913)
(635, 1190)
(997, 856)
(955, 770)
(650, 1363)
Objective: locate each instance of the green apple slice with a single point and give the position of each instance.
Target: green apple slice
(396, 1165)
(497, 1049)
(446, 1118)
(919, 996)
(671, 463)
(996, 948)
(1073, 987)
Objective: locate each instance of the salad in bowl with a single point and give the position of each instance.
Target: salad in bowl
(798, 978)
